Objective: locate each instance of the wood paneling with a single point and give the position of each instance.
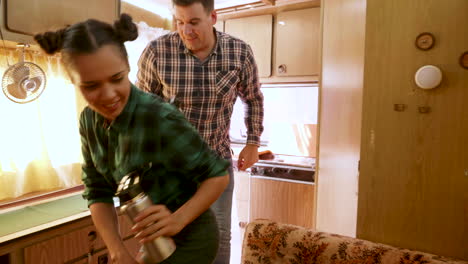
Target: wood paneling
(67, 243)
(285, 202)
(340, 115)
(269, 2)
(412, 188)
(259, 37)
(59, 249)
(39, 237)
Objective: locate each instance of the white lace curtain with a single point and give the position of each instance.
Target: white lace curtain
(39, 141)
(136, 47)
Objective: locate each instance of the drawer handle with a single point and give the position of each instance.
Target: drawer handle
(92, 235)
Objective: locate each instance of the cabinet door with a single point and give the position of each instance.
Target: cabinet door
(51, 14)
(281, 201)
(60, 249)
(257, 32)
(297, 42)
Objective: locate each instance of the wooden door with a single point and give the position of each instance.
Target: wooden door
(257, 32)
(282, 201)
(297, 42)
(413, 187)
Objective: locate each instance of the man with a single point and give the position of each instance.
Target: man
(202, 72)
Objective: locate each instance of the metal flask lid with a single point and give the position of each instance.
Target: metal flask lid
(129, 187)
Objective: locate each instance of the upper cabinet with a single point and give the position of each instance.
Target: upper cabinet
(257, 31)
(17, 16)
(285, 43)
(297, 42)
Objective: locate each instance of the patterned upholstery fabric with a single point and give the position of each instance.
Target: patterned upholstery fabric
(274, 243)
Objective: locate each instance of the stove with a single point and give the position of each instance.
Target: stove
(286, 167)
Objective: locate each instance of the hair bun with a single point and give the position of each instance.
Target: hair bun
(125, 29)
(51, 42)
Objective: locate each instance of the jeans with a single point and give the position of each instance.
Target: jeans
(222, 209)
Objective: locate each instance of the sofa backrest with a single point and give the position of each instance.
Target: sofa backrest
(273, 243)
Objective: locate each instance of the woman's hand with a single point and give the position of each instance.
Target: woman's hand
(123, 258)
(156, 221)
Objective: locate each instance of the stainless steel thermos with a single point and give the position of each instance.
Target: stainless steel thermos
(133, 200)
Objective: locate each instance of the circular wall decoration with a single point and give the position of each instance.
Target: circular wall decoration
(464, 60)
(425, 41)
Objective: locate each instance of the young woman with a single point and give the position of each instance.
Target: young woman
(123, 129)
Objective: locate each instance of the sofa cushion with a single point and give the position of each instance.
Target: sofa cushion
(273, 243)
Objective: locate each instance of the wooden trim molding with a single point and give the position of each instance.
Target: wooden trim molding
(269, 2)
(41, 197)
(262, 8)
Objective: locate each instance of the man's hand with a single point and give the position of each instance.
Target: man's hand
(247, 157)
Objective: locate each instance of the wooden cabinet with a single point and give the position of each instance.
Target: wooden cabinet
(292, 54)
(64, 248)
(282, 201)
(297, 42)
(73, 242)
(51, 15)
(257, 32)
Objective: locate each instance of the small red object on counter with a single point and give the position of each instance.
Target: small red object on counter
(266, 155)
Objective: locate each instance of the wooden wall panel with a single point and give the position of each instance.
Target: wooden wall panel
(343, 24)
(412, 186)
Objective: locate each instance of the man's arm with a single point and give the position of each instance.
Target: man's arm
(147, 77)
(250, 94)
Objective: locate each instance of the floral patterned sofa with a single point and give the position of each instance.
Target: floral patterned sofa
(274, 243)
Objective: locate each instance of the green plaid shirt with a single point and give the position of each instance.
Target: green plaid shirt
(148, 131)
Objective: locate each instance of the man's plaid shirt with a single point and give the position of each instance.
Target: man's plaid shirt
(205, 91)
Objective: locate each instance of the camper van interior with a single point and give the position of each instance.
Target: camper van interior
(364, 147)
